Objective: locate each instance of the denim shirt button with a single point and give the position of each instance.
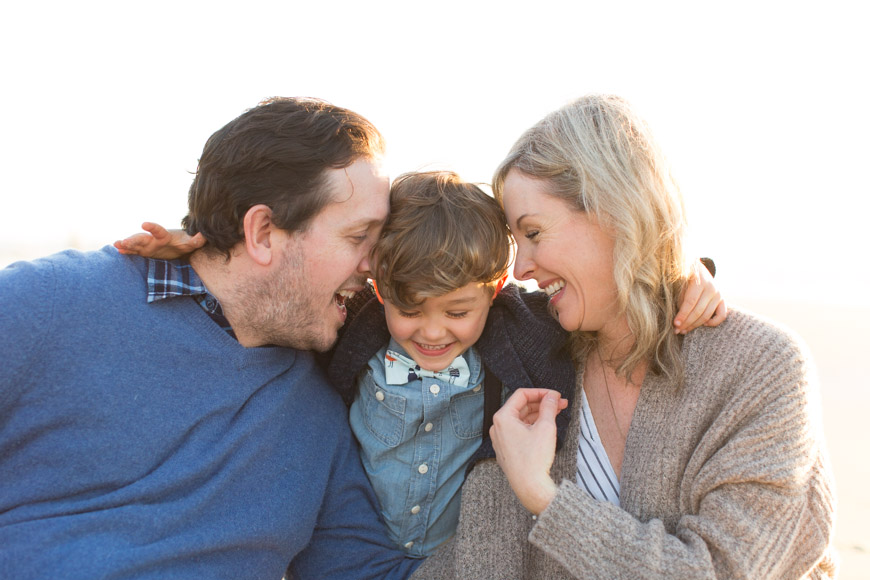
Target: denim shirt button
(434, 389)
(409, 545)
(476, 389)
(415, 510)
(379, 395)
(428, 427)
(423, 468)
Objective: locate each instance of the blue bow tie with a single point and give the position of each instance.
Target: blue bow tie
(401, 370)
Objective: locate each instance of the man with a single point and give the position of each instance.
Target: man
(164, 419)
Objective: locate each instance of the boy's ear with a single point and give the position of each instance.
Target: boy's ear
(378, 294)
(499, 286)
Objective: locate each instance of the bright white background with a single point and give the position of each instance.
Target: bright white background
(761, 106)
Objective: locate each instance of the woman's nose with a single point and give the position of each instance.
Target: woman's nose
(524, 266)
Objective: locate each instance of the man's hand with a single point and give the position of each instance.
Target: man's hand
(702, 304)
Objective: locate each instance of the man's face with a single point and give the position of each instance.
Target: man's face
(319, 268)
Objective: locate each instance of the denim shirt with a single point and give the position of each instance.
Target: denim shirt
(415, 442)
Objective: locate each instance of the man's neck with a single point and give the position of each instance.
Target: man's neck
(223, 278)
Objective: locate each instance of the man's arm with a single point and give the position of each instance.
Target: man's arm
(26, 290)
(350, 540)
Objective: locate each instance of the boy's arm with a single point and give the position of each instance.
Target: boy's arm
(159, 242)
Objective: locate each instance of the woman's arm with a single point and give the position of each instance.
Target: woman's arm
(524, 437)
(756, 494)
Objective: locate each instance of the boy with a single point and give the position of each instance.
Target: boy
(411, 362)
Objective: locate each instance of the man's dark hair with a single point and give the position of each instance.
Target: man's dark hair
(274, 154)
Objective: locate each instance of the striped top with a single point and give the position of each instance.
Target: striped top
(594, 472)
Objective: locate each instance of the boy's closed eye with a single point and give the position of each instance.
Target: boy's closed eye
(461, 314)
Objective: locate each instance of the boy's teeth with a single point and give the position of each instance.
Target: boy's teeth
(554, 287)
(432, 347)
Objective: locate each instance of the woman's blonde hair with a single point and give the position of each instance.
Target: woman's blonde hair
(600, 157)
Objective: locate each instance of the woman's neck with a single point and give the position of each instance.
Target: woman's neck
(614, 342)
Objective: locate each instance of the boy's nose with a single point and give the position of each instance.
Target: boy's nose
(432, 332)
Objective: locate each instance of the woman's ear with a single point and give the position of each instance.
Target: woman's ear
(259, 232)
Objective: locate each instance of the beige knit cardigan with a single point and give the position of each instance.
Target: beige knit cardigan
(726, 477)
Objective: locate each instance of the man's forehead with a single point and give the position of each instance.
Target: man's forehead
(362, 173)
(360, 191)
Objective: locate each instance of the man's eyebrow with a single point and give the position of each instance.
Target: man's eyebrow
(362, 222)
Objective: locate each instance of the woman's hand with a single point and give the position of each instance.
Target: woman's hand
(702, 304)
(523, 434)
(160, 243)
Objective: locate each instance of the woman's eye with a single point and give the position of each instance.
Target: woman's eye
(532, 234)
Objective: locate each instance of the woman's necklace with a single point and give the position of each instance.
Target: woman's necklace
(609, 398)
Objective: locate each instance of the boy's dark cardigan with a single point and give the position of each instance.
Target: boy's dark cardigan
(521, 344)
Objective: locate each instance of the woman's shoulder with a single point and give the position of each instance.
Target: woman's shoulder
(751, 354)
(747, 335)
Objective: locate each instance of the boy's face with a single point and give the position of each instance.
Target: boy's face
(441, 328)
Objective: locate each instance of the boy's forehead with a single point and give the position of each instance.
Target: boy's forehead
(468, 294)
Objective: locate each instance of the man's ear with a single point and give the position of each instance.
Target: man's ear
(259, 232)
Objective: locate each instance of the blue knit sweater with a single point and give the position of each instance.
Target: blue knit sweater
(141, 441)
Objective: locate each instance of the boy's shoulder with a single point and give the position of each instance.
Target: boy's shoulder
(519, 325)
(518, 306)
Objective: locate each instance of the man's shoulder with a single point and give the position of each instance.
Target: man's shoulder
(309, 380)
(73, 266)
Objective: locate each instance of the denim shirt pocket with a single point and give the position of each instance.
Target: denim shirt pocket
(383, 413)
(466, 414)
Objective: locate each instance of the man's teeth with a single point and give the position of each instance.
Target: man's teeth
(554, 287)
(342, 295)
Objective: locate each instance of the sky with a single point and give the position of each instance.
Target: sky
(760, 106)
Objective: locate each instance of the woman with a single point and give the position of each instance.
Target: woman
(694, 456)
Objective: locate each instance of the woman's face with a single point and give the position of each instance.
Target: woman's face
(565, 251)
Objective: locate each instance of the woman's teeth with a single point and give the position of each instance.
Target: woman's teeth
(554, 287)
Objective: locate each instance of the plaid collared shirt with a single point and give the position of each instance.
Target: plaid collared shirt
(171, 278)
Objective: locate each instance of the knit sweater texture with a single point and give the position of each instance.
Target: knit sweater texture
(726, 477)
(141, 441)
